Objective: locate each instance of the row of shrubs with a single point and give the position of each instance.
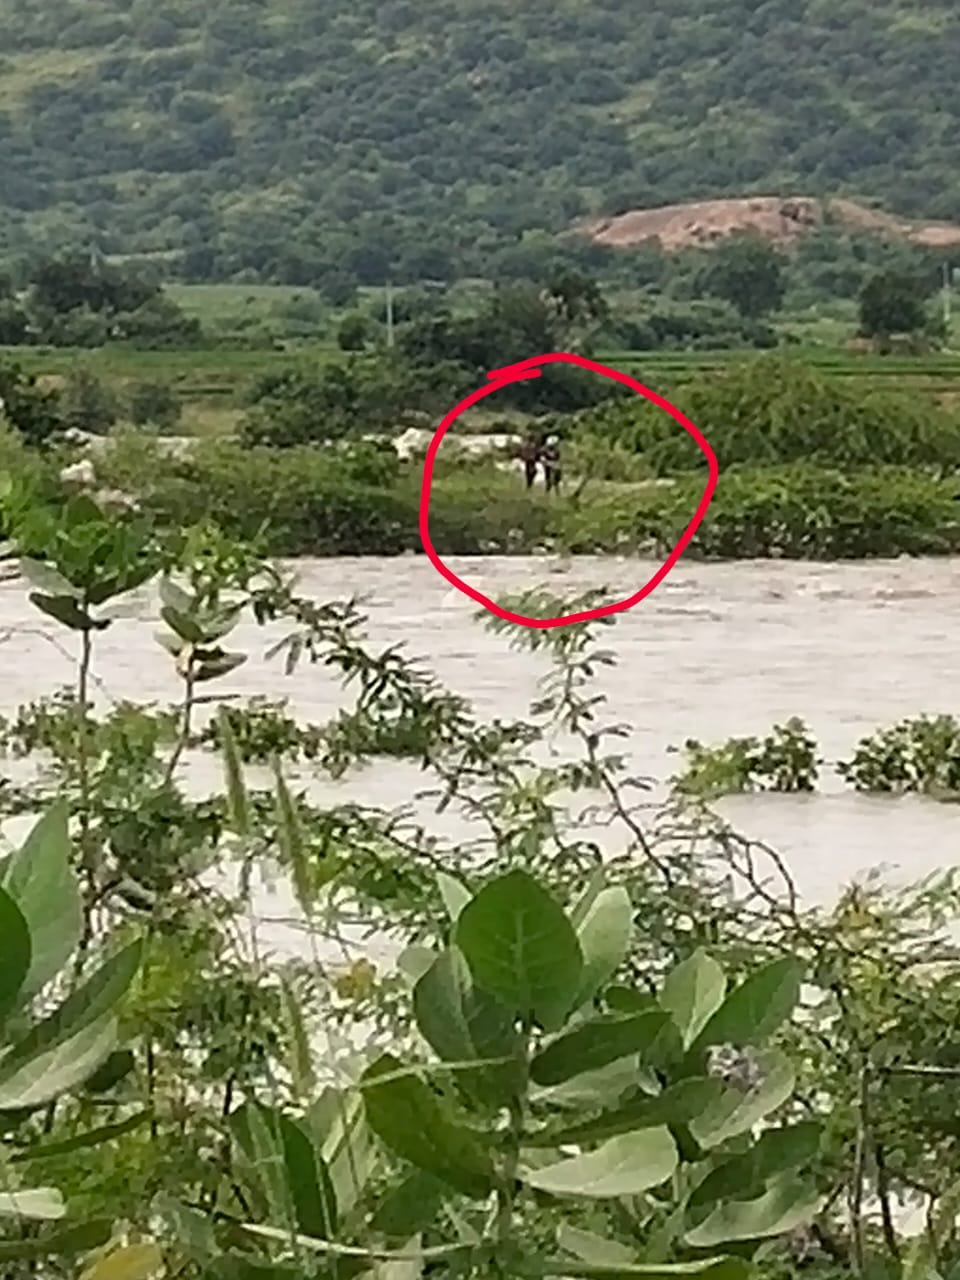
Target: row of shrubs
(919, 754)
(362, 500)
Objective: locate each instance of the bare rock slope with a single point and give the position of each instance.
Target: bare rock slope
(781, 220)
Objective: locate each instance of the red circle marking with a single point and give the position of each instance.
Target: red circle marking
(530, 369)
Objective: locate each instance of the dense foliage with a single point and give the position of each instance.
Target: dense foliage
(657, 1064)
(367, 140)
(775, 410)
(80, 301)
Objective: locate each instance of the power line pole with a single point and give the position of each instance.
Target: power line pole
(389, 315)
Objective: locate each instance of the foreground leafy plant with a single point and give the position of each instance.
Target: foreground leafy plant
(46, 1055)
(557, 1087)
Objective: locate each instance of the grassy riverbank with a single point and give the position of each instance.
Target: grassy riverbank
(811, 466)
(309, 501)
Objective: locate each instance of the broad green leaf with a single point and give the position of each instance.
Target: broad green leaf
(55, 1070)
(707, 1269)
(461, 1023)
(676, 1105)
(116, 1067)
(756, 1008)
(589, 1247)
(776, 1151)
(45, 577)
(82, 1238)
(97, 997)
(737, 1112)
(603, 1088)
(213, 665)
(454, 893)
(624, 1166)
(174, 597)
(692, 993)
(80, 1141)
(238, 1266)
(786, 1205)
(288, 1172)
(41, 882)
(595, 886)
(14, 953)
(629, 1000)
(414, 961)
(182, 625)
(65, 610)
(339, 1125)
(409, 1118)
(37, 1202)
(521, 948)
(256, 1130)
(604, 937)
(412, 1205)
(595, 1043)
(128, 1262)
(313, 1195)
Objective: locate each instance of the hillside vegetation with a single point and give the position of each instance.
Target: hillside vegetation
(295, 140)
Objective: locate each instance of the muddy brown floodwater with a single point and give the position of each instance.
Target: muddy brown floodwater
(717, 650)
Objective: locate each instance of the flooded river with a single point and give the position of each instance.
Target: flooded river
(717, 650)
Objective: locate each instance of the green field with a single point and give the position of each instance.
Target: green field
(211, 380)
(220, 370)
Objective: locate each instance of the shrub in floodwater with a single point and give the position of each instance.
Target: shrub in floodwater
(917, 754)
(262, 731)
(785, 760)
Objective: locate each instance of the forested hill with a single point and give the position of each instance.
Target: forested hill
(413, 137)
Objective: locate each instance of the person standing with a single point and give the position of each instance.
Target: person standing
(529, 456)
(550, 457)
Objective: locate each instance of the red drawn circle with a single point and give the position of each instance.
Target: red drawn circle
(530, 369)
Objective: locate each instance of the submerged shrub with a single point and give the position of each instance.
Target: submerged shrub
(786, 759)
(921, 754)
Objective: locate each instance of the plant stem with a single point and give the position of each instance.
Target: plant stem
(185, 726)
(89, 859)
(886, 1214)
(857, 1250)
(508, 1179)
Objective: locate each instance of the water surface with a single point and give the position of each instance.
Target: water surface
(717, 650)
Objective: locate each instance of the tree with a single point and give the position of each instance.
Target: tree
(354, 332)
(14, 323)
(87, 403)
(746, 272)
(892, 302)
(32, 411)
(154, 404)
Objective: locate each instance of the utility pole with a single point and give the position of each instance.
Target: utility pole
(389, 315)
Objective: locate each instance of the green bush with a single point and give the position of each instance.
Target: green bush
(154, 404)
(474, 513)
(772, 410)
(301, 501)
(87, 403)
(809, 512)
